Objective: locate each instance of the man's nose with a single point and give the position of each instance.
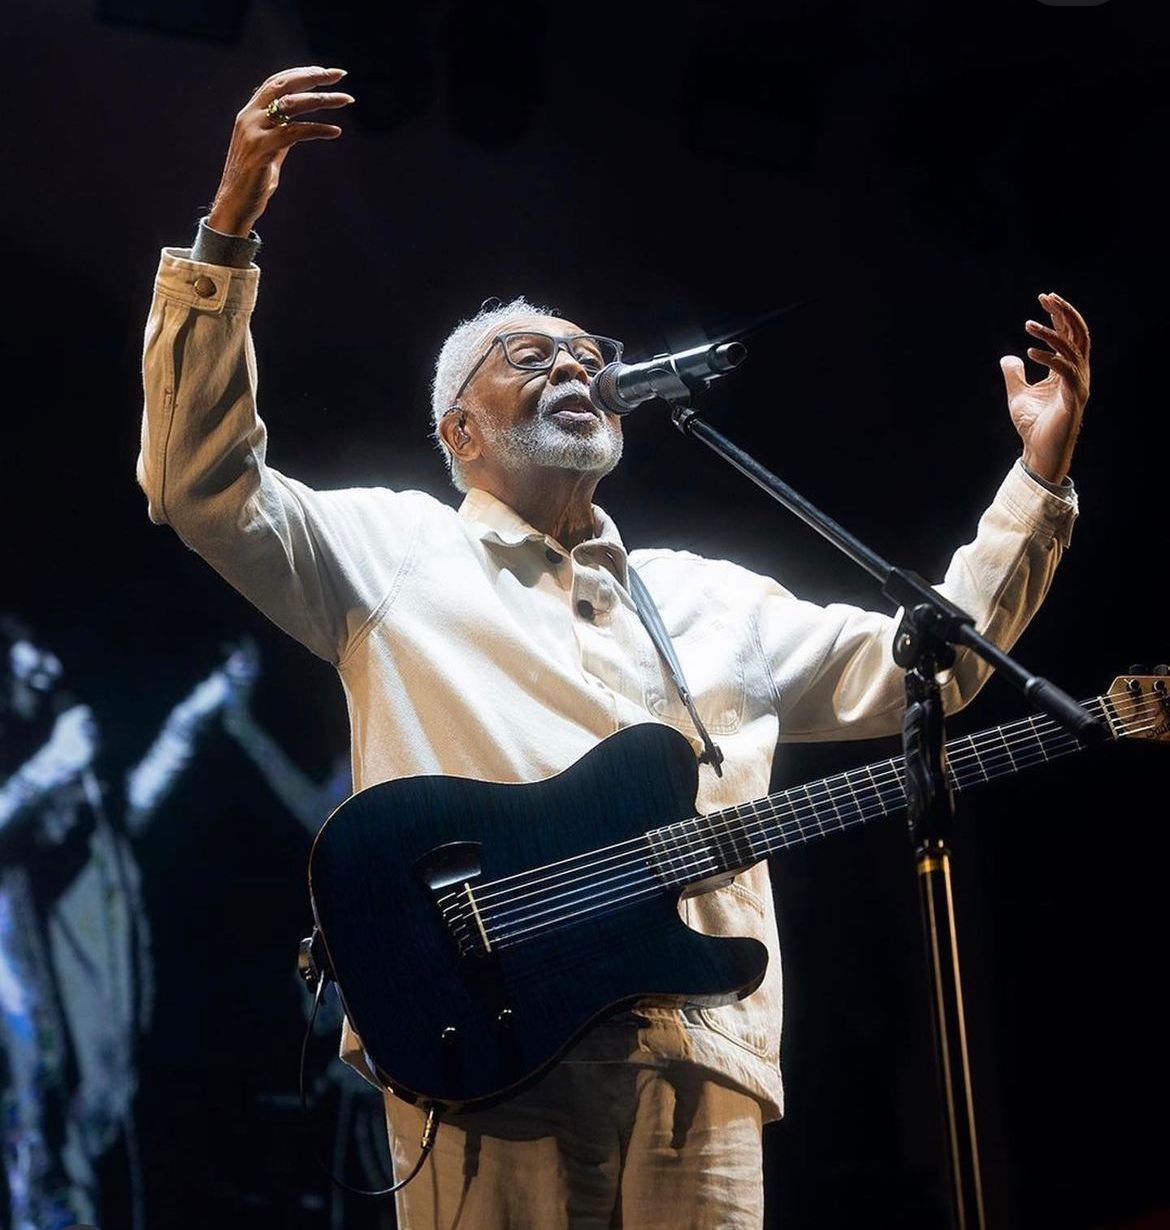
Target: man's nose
(566, 366)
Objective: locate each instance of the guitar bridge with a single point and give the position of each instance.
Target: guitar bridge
(465, 904)
(450, 872)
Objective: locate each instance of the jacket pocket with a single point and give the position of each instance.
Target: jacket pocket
(712, 664)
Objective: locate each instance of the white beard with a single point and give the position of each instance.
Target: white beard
(593, 447)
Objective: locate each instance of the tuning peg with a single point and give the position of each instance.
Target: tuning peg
(1162, 669)
(1139, 668)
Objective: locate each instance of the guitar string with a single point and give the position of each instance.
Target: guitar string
(507, 938)
(964, 752)
(891, 780)
(889, 775)
(500, 917)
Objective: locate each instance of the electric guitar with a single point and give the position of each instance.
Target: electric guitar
(475, 930)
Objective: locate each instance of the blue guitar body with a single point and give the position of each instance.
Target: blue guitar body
(475, 930)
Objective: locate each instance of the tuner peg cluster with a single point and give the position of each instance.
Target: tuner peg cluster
(1140, 668)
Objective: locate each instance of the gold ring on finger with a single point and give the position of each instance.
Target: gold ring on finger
(276, 114)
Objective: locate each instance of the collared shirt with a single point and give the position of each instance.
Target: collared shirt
(469, 643)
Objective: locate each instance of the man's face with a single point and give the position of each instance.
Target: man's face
(34, 673)
(540, 419)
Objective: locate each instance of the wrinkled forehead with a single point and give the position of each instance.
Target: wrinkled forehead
(541, 324)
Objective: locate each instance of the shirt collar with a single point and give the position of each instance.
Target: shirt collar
(494, 521)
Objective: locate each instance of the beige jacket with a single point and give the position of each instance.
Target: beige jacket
(469, 643)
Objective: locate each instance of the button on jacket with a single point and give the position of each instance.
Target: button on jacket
(469, 643)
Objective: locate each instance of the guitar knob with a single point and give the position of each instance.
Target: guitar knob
(449, 1036)
(504, 1018)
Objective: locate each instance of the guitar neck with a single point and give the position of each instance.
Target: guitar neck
(728, 841)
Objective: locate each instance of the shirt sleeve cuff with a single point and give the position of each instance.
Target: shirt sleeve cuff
(1064, 489)
(213, 247)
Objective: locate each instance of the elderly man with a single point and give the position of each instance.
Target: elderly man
(500, 641)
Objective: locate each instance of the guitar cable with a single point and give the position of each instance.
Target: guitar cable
(317, 980)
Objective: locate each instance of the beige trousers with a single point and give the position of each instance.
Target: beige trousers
(592, 1146)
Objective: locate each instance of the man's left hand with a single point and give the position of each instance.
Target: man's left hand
(1048, 414)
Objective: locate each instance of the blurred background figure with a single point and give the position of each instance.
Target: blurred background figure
(355, 1107)
(75, 972)
(309, 801)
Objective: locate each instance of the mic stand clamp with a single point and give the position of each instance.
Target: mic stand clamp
(681, 413)
(922, 655)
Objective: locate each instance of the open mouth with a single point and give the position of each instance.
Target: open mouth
(574, 410)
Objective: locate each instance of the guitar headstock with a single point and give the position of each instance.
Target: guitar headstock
(1138, 705)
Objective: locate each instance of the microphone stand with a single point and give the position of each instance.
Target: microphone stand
(924, 644)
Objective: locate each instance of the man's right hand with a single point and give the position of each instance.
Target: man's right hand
(260, 145)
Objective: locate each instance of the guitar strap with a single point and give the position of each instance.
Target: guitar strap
(648, 612)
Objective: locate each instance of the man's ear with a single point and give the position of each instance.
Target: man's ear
(459, 434)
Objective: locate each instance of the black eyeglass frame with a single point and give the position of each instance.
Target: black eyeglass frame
(558, 340)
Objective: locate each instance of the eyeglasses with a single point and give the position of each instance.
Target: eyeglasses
(537, 352)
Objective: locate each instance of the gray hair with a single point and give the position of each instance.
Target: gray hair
(463, 347)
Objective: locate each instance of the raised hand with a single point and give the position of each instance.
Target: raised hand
(1048, 414)
(265, 130)
(74, 742)
(241, 670)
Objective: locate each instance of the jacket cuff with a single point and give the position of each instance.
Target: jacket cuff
(1042, 506)
(206, 287)
(213, 247)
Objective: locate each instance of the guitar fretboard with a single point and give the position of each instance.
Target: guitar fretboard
(735, 838)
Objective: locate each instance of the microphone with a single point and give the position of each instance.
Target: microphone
(619, 387)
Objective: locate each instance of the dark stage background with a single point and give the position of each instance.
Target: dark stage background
(912, 175)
